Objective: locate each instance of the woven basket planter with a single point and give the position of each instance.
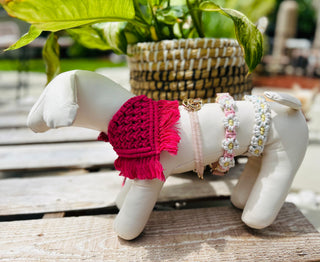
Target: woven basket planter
(188, 68)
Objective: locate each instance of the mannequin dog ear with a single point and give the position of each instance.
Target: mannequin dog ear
(57, 106)
(60, 103)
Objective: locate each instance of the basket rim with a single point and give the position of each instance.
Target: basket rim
(168, 44)
(171, 75)
(184, 85)
(177, 65)
(236, 90)
(185, 54)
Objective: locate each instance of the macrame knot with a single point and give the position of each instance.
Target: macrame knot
(139, 132)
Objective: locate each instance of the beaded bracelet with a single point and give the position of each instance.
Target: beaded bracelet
(261, 126)
(192, 106)
(230, 143)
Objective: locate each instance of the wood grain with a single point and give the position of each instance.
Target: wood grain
(20, 107)
(16, 136)
(54, 215)
(50, 156)
(58, 193)
(13, 121)
(95, 190)
(211, 234)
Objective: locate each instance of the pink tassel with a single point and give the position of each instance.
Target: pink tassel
(140, 168)
(197, 143)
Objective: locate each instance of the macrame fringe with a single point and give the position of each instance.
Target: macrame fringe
(168, 115)
(140, 168)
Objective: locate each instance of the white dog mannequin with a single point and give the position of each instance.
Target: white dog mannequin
(86, 99)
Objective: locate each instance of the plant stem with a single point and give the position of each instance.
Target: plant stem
(196, 18)
(138, 23)
(154, 34)
(181, 30)
(154, 29)
(171, 31)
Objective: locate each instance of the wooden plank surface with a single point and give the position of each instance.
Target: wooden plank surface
(58, 193)
(188, 186)
(16, 136)
(13, 121)
(209, 234)
(97, 190)
(17, 107)
(51, 156)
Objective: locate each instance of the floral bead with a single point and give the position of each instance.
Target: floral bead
(230, 144)
(256, 150)
(262, 124)
(231, 122)
(225, 101)
(258, 140)
(261, 129)
(226, 162)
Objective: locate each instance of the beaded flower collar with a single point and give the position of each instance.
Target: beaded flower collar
(262, 124)
(230, 142)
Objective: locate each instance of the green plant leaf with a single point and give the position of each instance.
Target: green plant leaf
(248, 35)
(217, 26)
(90, 36)
(171, 15)
(55, 15)
(209, 6)
(135, 34)
(50, 54)
(178, 2)
(26, 38)
(253, 9)
(115, 36)
(196, 16)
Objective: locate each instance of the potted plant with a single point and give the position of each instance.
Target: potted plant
(157, 36)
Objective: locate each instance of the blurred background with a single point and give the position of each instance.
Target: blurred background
(291, 64)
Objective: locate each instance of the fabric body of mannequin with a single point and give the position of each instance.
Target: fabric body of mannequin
(86, 99)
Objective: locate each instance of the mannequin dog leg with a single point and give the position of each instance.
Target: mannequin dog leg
(246, 181)
(280, 162)
(123, 193)
(137, 207)
(270, 190)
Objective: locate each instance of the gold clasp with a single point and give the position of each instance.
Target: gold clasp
(192, 104)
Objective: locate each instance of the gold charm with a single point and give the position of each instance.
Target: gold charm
(192, 104)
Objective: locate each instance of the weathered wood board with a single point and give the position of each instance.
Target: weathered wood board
(188, 186)
(17, 107)
(51, 156)
(16, 136)
(97, 190)
(58, 193)
(12, 121)
(209, 234)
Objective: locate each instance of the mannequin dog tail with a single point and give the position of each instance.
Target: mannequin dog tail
(284, 99)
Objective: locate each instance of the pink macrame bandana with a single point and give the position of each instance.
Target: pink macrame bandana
(139, 132)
